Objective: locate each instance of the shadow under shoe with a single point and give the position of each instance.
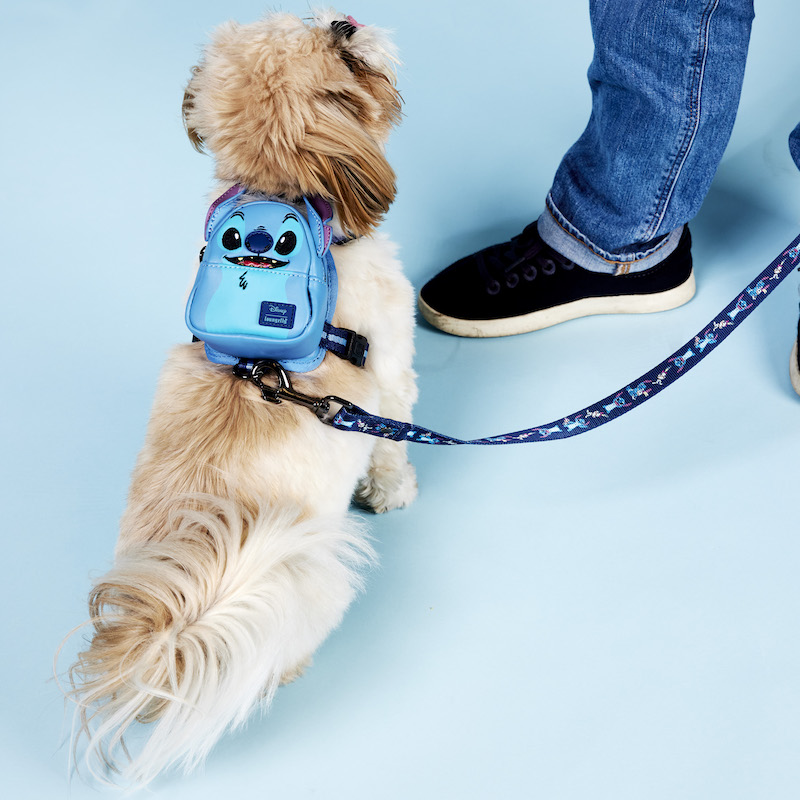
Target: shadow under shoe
(524, 285)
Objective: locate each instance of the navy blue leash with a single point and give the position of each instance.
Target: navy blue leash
(350, 417)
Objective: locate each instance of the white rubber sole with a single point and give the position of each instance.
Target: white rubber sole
(794, 372)
(624, 304)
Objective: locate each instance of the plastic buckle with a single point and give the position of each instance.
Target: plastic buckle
(356, 349)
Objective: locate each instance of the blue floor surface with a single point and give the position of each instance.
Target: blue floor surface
(613, 617)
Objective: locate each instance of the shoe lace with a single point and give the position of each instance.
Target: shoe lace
(526, 255)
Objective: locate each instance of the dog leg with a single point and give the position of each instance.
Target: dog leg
(383, 309)
(391, 480)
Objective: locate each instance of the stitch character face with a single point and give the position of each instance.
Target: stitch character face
(260, 236)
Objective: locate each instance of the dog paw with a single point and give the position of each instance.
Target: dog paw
(385, 488)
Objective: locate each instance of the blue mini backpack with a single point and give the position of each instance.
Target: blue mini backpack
(266, 287)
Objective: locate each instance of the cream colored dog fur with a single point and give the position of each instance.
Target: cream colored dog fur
(236, 554)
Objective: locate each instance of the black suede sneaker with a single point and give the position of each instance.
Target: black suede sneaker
(524, 285)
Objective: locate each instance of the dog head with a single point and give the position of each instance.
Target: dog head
(298, 109)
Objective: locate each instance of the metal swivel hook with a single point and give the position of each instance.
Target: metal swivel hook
(253, 371)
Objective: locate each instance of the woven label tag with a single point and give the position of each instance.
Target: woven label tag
(277, 315)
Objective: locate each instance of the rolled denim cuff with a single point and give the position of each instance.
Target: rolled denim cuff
(564, 238)
(794, 145)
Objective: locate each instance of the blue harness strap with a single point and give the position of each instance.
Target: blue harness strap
(654, 381)
(346, 344)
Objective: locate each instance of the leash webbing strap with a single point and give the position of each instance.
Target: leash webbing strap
(352, 418)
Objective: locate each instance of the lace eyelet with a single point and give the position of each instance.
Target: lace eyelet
(568, 265)
(493, 287)
(548, 267)
(529, 272)
(512, 279)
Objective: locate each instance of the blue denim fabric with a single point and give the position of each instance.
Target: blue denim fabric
(666, 79)
(794, 145)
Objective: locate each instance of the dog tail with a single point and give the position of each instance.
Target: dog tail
(195, 631)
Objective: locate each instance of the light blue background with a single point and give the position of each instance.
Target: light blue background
(613, 617)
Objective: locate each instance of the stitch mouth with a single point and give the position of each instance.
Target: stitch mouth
(262, 262)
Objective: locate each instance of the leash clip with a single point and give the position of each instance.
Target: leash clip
(322, 407)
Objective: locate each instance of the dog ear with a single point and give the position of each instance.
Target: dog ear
(378, 85)
(341, 163)
(342, 157)
(187, 109)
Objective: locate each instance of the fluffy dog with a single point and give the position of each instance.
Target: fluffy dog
(236, 554)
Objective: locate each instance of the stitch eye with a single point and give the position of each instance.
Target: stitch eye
(231, 239)
(286, 244)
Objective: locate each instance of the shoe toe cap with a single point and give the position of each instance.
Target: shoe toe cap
(456, 291)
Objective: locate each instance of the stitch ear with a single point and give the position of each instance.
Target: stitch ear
(220, 207)
(319, 213)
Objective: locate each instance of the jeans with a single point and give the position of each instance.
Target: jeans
(794, 145)
(666, 79)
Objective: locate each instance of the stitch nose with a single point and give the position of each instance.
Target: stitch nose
(259, 241)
